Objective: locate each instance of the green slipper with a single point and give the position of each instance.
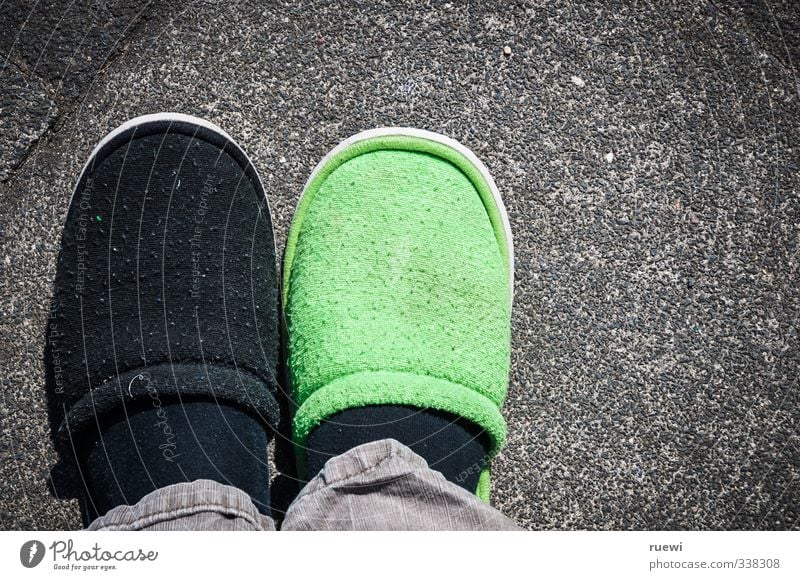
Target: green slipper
(398, 279)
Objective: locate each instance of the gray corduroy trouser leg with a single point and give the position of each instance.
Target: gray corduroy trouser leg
(382, 485)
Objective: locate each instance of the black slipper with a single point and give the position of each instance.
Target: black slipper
(166, 288)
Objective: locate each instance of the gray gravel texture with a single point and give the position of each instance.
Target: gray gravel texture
(50, 53)
(648, 155)
(26, 113)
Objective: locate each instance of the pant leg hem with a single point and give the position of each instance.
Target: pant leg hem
(167, 507)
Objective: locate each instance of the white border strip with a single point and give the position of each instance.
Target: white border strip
(552, 554)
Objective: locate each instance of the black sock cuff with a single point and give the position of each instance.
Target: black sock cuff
(455, 447)
(127, 456)
(152, 387)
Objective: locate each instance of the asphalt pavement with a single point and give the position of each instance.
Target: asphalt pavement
(648, 156)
